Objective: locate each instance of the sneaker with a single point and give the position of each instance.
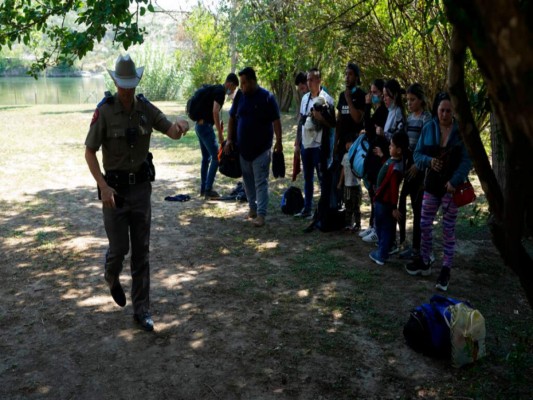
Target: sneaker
(259, 221)
(211, 194)
(371, 238)
(374, 256)
(418, 267)
(145, 321)
(356, 228)
(366, 232)
(303, 214)
(443, 279)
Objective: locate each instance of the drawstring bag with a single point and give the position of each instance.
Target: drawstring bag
(467, 334)
(464, 194)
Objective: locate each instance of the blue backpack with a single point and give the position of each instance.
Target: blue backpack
(292, 201)
(357, 155)
(427, 329)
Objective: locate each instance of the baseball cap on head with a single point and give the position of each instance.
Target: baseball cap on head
(125, 75)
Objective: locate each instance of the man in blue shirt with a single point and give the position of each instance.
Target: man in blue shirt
(252, 125)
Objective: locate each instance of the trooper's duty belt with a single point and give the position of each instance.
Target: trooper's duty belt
(124, 178)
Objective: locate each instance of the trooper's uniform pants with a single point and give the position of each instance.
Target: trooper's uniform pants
(131, 222)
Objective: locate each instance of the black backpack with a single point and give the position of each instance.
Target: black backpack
(198, 105)
(229, 164)
(292, 201)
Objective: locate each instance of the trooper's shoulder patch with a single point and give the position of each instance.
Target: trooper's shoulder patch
(96, 115)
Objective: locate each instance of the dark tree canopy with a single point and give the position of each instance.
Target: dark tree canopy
(26, 21)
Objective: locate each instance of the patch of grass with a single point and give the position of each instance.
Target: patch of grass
(315, 266)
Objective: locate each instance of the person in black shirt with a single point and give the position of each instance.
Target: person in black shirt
(351, 109)
(204, 129)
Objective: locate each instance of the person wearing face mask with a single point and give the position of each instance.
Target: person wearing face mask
(392, 97)
(204, 129)
(374, 160)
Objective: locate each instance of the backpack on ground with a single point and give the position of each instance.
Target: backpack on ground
(357, 155)
(427, 330)
(292, 201)
(198, 105)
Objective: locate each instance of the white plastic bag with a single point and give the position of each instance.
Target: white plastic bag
(467, 335)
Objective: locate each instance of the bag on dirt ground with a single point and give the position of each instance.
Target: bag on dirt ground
(198, 104)
(292, 201)
(467, 335)
(427, 330)
(357, 155)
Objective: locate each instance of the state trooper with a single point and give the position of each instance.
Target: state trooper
(122, 125)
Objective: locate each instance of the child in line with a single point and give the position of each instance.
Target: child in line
(352, 193)
(386, 197)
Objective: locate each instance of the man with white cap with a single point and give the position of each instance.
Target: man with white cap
(122, 125)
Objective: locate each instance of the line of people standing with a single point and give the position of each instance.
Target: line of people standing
(419, 155)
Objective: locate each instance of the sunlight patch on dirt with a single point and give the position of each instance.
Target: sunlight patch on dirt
(92, 301)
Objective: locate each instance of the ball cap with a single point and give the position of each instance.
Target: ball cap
(125, 75)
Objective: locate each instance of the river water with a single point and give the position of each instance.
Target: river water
(26, 90)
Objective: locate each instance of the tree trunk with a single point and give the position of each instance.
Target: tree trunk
(498, 153)
(497, 34)
(282, 89)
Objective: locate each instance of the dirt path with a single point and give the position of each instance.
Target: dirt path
(240, 312)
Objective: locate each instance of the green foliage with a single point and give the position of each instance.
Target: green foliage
(25, 21)
(162, 78)
(209, 59)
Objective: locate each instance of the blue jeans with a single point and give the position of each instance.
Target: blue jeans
(209, 148)
(255, 178)
(310, 161)
(385, 228)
